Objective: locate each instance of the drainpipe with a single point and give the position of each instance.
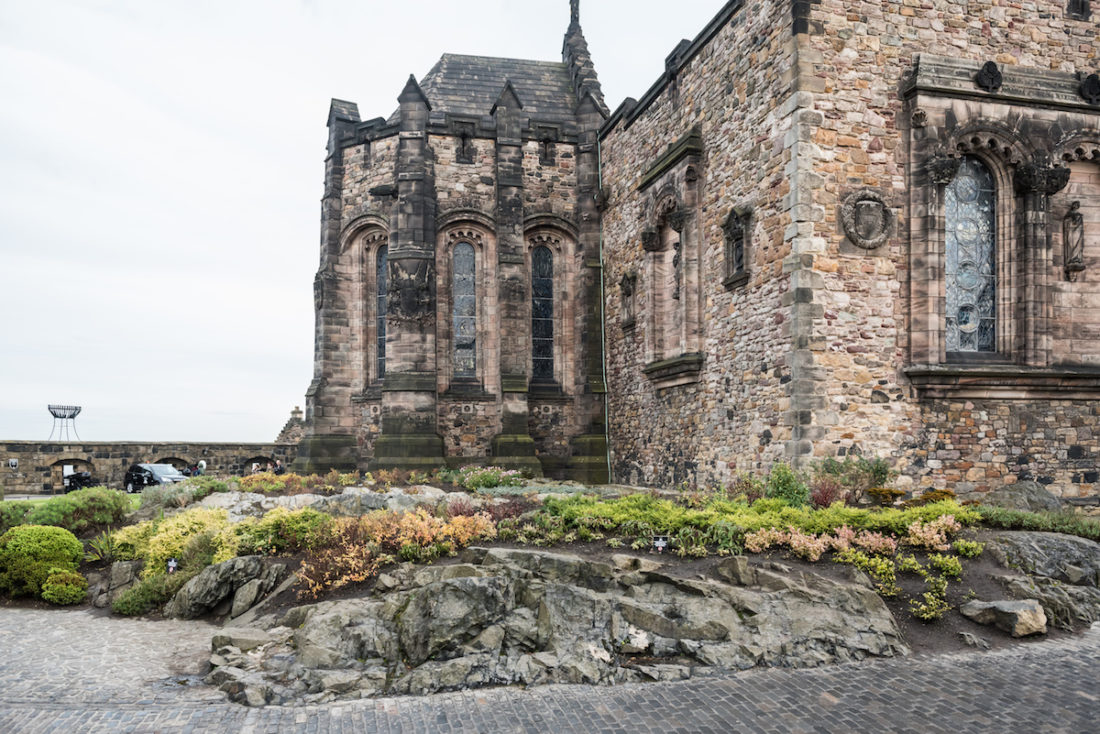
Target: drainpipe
(603, 319)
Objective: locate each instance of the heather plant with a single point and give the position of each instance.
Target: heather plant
(29, 552)
(932, 534)
(474, 478)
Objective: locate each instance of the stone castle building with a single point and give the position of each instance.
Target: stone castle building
(828, 228)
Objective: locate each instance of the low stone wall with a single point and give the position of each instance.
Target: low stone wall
(41, 465)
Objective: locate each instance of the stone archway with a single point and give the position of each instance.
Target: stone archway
(62, 468)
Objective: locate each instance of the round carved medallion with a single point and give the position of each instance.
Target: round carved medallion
(866, 218)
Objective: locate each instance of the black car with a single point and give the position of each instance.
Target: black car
(79, 480)
(140, 476)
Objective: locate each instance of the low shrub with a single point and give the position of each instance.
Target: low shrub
(146, 594)
(932, 535)
(64, 587)
(968, 548)
(173, 533)
(883, 571)
(12, 513)
(132, 541)
(949, 566)
(81, 509)
(28, 553)
(785, 484)
(1052, 522)
(825, 490)
(283, 531)
(474, 478)
(855, 474)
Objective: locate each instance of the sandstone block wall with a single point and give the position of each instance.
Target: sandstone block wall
(40, 469)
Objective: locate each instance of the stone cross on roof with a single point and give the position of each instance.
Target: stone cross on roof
(574, 11)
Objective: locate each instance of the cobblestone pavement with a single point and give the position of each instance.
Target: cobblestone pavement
(72, 671)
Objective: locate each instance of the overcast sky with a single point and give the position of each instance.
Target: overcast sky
(160, 176)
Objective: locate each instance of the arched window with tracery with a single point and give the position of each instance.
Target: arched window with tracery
(971, 251)
(542, 314)
(464, 310)
(380, 308)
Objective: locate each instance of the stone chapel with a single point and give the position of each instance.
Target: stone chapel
(829, 228)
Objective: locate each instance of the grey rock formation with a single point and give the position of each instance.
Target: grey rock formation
(529, 617)
(1062, 573)
(230, 581)
(104, 588)
(1018, 618)
(1030, 496)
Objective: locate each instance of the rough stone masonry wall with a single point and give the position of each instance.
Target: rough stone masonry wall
(40, 464)
(854, 58)
(735, 418)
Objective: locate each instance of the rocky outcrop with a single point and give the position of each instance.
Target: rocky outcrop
(1062, 573)
(236, 584)
(1030, 496)
(1018, 618)
(527, 617)
(104, 588)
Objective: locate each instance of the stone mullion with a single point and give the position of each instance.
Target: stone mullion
(514, 446)
(1037, 183)
(410, 436)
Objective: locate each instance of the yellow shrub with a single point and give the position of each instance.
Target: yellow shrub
(464, 528)
(133, 540)
(173, 534)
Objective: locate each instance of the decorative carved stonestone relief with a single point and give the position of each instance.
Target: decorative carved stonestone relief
(989, 77)
(919, 118)
(1040, 178)
(867, 219)
(650, 241)
(1090, 89)
(942, 169)
(627, 286)
(1073, 241)
(676, 219)
(413, 290)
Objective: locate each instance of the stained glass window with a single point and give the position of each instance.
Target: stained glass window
(380, 309)
(970, 234)
(542, 314)
(465, 311)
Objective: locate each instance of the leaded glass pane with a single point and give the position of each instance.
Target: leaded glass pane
(971, 280)
(380, 308)
(542, 314)
(464, 294)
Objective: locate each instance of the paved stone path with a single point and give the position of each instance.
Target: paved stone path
(72, 671)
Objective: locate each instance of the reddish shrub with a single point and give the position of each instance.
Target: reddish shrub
(825, 491)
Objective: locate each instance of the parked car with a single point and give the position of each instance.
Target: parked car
(140, 476)
(79, 480)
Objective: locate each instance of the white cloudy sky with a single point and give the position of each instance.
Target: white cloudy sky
(160, 177)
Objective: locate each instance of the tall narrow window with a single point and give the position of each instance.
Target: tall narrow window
(542, 314)
(970, 275)
(465, 311)
(380, 309)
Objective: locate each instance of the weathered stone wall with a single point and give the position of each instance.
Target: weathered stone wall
(980, 445)
(736, 91)
(867, 133)
(40, 464)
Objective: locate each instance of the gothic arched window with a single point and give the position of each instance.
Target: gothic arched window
(380, 309)
(464, 310)
(542, 314)
(970, 269)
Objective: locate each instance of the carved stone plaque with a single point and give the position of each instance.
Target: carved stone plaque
(867, 220)
(989, 77)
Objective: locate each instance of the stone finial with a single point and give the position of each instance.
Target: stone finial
(413, 93)
(507, 99)
(574, 11)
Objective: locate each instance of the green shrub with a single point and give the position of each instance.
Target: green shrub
(148, 593)
(474, 478)
(29, 552)
(102, 548)
(81, 509)
(168, 495)
(856, 474)
(12, 513)
(785, 484)
(1053, 522)
(968, 548)
(283, 530)
(64, 587)
(949, 566)
(132, 541)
